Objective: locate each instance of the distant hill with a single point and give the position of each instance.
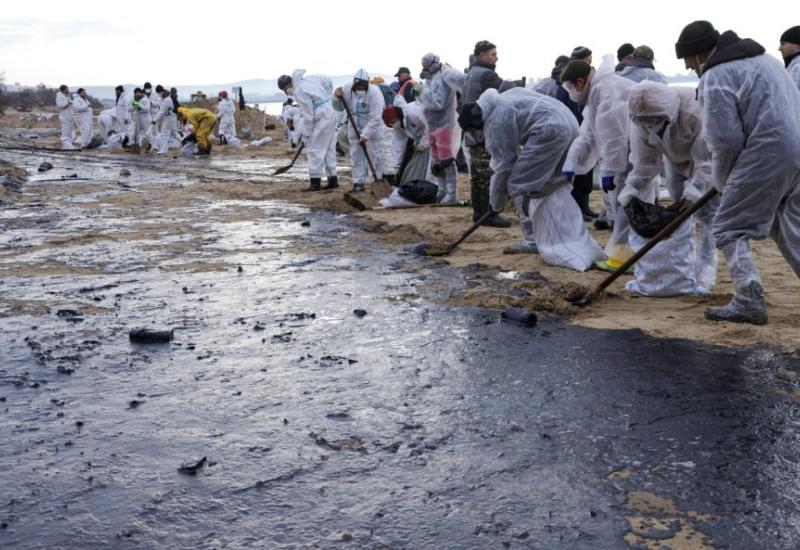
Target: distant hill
(257, 90)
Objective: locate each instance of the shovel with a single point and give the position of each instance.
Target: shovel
(668, 229)
(423, 250)
(136, 148)
(358, 135)
(285, 169)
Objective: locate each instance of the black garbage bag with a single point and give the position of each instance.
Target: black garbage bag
(419, 191)
(648, 219)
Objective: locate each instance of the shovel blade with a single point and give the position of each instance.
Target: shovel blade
(281, 170)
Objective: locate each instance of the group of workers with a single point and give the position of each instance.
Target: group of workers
(532, 146)
(145, 119)
(738, 133)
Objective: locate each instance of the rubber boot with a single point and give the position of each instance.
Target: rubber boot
(333, 183)
(391, 179)
(314, 186)
(357, 188)
(746, 306)
(476, 198)
(450, 185)
(494, 219)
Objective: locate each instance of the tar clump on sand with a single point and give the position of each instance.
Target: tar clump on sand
(520, 316)
(148, 336)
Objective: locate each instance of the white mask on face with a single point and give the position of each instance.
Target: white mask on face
(575, 95)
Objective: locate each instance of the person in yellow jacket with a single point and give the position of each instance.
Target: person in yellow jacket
(202, 121)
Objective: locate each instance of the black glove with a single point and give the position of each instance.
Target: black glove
(191, 138)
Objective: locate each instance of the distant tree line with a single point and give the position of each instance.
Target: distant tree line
(35, 97)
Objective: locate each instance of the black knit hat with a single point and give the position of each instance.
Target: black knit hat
(624, 51)
(696, 37)
(791, 35)
(483, 46)
(581, 52)
(574, 70)
(283, 81)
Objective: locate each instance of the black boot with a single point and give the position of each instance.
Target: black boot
(477, 203)
(390, 179)
(333, 183)
(315, 185)
(496, 220)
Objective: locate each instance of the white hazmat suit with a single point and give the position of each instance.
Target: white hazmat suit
(603, 137)
(83, 112)
(527, 135)
(366, 108)
(794, 70)
(168, 132)
(65, 119)
(667, 123)
(227, 121)
(439, 101)
(751, 121)
(313, 95)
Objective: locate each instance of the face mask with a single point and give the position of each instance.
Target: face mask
(148, 90)
(425, 74)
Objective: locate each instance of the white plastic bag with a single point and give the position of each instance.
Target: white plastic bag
(669, 268)
(259, 142)
(559, 231)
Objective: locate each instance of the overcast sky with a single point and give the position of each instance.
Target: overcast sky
(91, 42)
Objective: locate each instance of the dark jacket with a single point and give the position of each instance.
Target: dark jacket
(577, 109)
(482, 77)
(730, 48)
(407, 90)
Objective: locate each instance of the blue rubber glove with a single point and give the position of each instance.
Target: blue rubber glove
(569, 175)
(608, 183)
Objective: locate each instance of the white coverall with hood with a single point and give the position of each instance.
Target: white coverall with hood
(83, 111)
(667, 123)
(65, 120)
(603, 137)
(412, 132)
(106, 122)
(751, 122)
(313, 95)
(141, 116)
(291, 112)
(123, 106)
(227, 122)
(439, 101)
(366, 108)
(527, 135)
(169, 126)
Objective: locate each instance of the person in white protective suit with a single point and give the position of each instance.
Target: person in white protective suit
(140, 115)
(410, 147)
(225, 114)
(66, 119)
(790, 50)
(366, 104)
(290, 116)
(640, 67)
(168, 131)
(123, 104)
(83, 112)
(527, 135)
(751, 122)
(317, 124)
(667, 123)
(603, 137)
(439, 102)
(106, 122)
